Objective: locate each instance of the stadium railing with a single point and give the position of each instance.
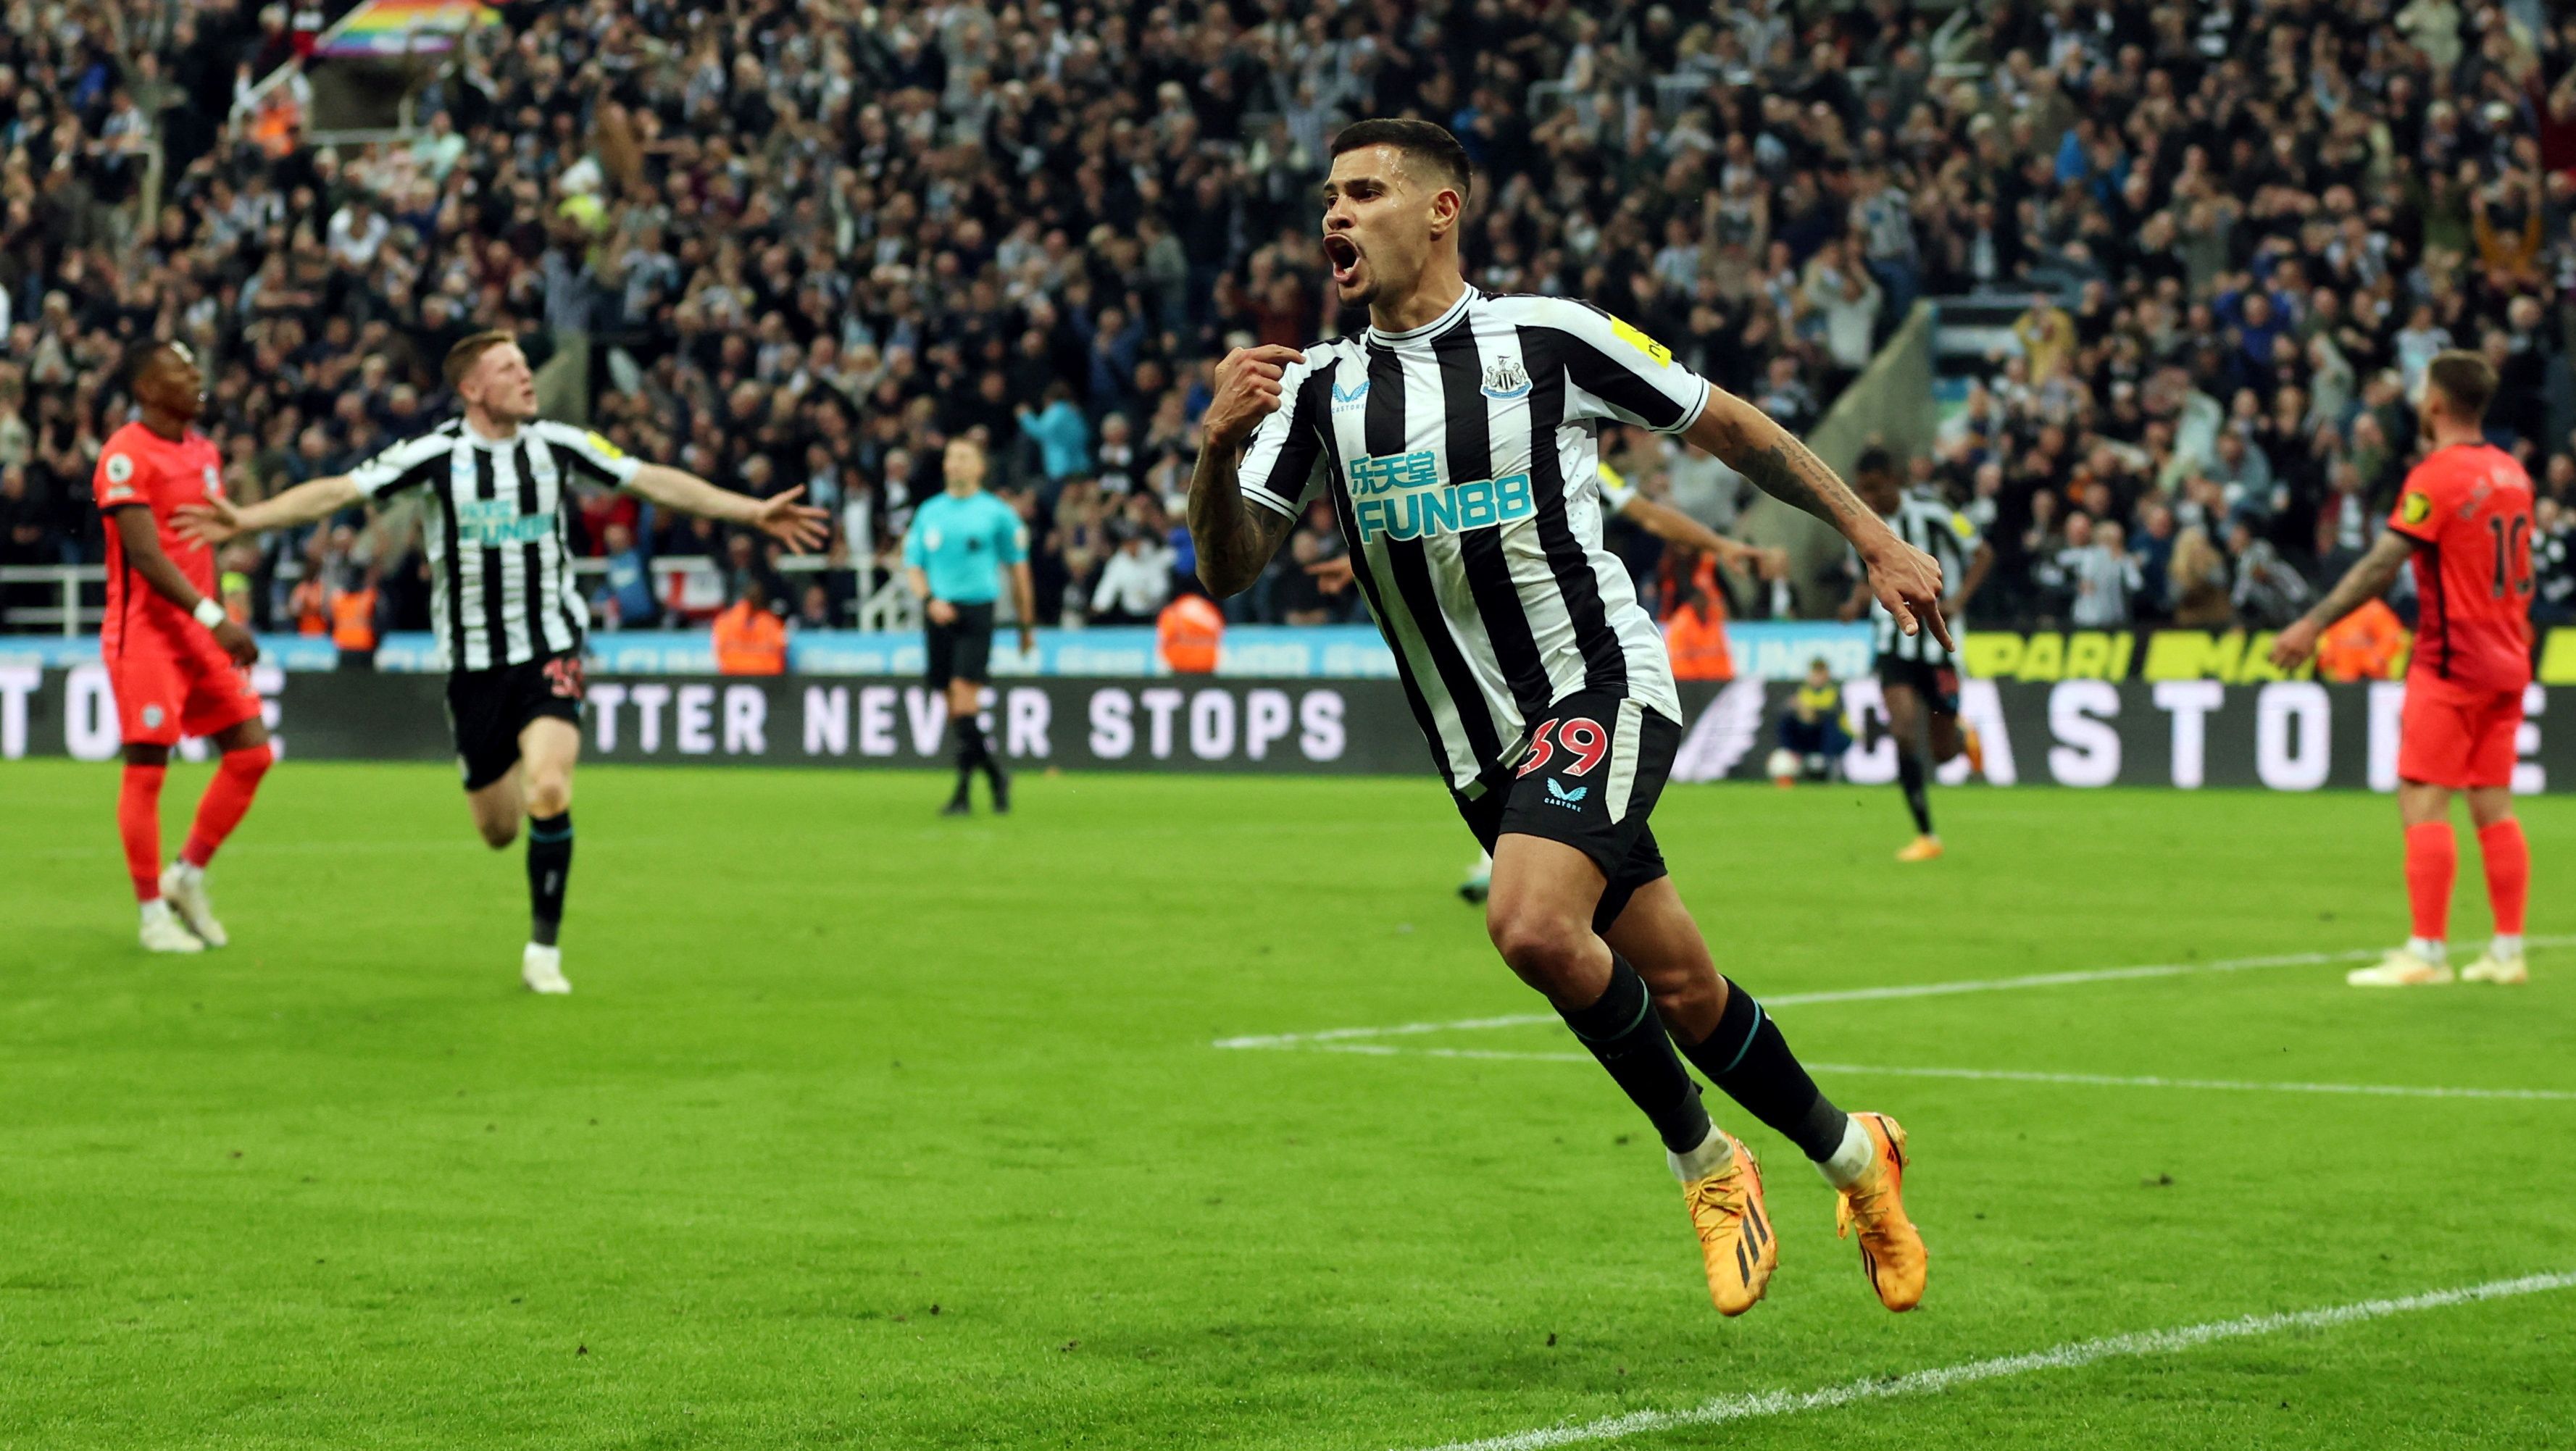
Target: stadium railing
(878, 599)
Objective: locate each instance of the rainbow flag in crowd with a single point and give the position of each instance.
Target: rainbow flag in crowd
(403, 27)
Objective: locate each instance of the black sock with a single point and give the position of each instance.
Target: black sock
(549, 867)
(970, 744)
(1746, 1056)
(1623, 1032)
(1909, 772)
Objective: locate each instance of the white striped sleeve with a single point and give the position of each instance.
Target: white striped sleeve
(408, 464)
(586, 453)
(1286, 457)
(1617, 372)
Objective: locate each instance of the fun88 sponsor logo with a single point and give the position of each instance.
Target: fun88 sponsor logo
(495, 522)
(1400, 496)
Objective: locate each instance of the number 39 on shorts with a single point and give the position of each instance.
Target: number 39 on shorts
(1582, 738)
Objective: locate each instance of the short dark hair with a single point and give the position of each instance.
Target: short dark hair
(470, 349)
(129, 369)
(2465, 378)
(1874, 460)
(1426, 141)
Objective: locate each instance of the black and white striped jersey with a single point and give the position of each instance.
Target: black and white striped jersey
(1944, 533)
(1460, 460)
(502, 590)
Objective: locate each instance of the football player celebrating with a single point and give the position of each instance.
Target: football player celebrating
(1455, 440)
(509, 613)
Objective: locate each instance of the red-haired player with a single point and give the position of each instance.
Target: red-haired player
(2465, 519)
(178, 664)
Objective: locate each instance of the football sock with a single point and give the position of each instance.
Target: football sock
(227, 797)
(1909, 774)
(970, 745)
(138, 821)
(1707, 1159)
(2508, 858)
(1746, 1056)
(549, 866)
(1853, 1158)
(1622, 1031)
(2432, 859)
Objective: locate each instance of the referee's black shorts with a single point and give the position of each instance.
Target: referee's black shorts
(1596, 764)
(962, 649)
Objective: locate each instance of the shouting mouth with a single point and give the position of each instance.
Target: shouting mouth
(1344, 255)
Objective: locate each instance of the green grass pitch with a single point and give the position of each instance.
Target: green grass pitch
(869, 1129)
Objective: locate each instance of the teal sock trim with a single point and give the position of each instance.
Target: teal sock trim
(1747, 1045)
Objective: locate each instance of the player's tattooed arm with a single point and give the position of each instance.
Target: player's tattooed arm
(1904, 578)
(2368, 579)
(1779, 465)
(1234, 537)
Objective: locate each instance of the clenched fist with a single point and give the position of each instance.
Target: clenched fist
(1247, 391)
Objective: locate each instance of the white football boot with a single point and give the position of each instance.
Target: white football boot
(541, 968)
(163, 932)
(184, 888)
(2402, 967)
(2491, 968)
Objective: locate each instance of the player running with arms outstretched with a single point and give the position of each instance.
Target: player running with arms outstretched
(508, 611)
(2464, 518)
(178, 663)
(1455, 441)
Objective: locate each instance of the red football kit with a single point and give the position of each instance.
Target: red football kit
(171, 678)
(2468, 508)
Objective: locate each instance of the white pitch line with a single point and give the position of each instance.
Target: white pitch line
(2011, 1075)
(1872, 994)
(1762, 1404)
(2104, 1080)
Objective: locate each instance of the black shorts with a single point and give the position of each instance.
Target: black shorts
(1595, 765)
(486, 710)
(1937, 684)
(963, 648)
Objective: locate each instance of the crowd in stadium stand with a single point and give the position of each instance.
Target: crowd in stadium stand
(803, 244)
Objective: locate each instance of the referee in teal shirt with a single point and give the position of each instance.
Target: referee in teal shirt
(959, 543)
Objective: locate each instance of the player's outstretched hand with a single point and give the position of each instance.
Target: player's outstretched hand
(2292, 647)
(1908, 582)
(1247, 391)
(798, 526)
(237, 643)
(209, 523)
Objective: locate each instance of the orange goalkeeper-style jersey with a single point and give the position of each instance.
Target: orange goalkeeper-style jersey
(140, 469)
(2468, 508)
